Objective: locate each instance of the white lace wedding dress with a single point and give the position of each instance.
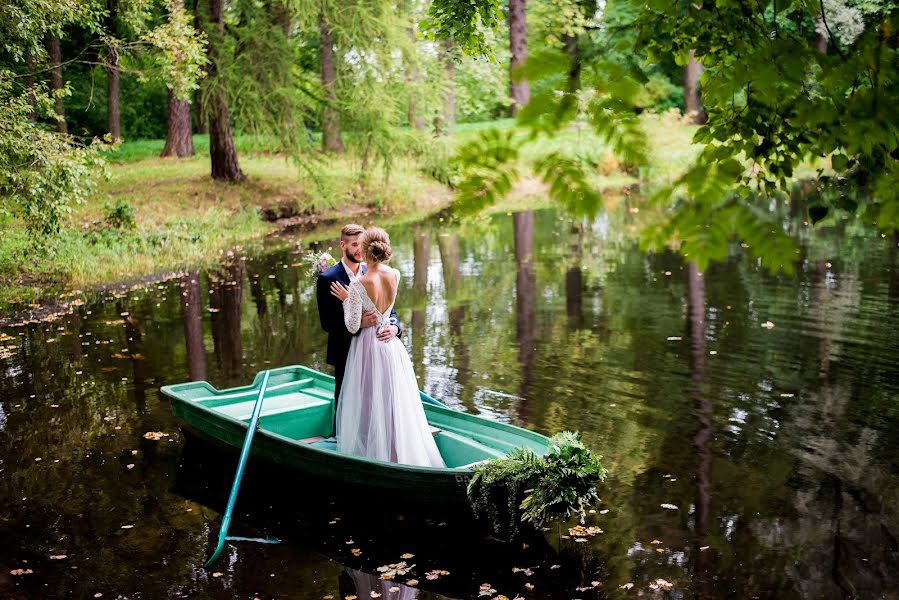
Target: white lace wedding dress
(379, 414)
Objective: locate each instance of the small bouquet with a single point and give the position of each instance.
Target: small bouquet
(318, 263)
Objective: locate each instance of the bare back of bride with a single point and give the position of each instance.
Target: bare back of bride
(379, 412)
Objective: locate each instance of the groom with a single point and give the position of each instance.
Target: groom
(330, 309)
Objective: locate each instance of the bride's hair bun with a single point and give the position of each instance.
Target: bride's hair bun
(376, 245)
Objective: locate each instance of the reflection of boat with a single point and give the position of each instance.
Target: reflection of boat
(298, 410)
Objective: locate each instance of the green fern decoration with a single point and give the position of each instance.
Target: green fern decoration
(526, 488)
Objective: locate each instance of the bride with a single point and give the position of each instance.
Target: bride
(379, 412)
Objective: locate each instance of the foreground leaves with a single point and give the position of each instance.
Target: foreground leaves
(528, 488)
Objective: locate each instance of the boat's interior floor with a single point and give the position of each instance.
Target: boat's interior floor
(301, 409)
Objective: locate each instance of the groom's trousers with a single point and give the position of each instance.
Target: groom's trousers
(339, 371)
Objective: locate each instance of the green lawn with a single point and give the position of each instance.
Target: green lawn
(182, 218)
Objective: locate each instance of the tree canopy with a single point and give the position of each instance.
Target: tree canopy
(785, 85)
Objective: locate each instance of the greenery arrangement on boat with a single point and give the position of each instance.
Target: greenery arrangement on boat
(532, 489)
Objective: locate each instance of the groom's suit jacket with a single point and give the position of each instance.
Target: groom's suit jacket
(330, 313)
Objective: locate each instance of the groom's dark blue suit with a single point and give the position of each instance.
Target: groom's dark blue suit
(330, 313)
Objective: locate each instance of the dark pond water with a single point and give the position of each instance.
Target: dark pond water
(749, 423)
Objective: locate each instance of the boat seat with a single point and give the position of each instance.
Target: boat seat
(250, 394)
(243, 411)
(312, 440)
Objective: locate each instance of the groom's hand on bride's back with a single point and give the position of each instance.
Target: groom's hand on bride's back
(388, 333)
(369, 318)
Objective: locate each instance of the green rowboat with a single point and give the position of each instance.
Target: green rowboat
(298, 412)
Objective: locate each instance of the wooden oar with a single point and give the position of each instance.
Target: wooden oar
(244, 453)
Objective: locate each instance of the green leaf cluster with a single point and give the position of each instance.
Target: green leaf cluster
(41, 173)
(527, 488)
(788, 87)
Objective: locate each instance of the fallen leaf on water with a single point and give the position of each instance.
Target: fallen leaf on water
(626, 586)
(329, 597)
(412, 582)
(529, 585)
(127, 526)
(435, 574)
(583, 589)
(501, 597)
(349, 598)
(555, 566)
(356, 552)
(130, 466)
(661, 584)
(768, 325)
(580, 540)
(594, 583)
(375, 594)
(57, 556)
(674, 338)
(21, 572)
(98, 595)
(217, 574)
(604, 511)
(349, 542)
(703, 548)
(393, 590)
(581, 531)
(407, 556)
(527, 571)
(392, 570)
(669, 506)
(155, 435)
(660, 549)
(656, 542)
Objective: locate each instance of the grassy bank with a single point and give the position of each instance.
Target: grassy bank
(153, 215)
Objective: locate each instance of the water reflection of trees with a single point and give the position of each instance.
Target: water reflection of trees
(192, 317)
(779, 449)
(225, 299)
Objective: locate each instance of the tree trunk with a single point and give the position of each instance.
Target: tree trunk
(570, 101)
(222, 154)
(55, 56)
(201, 122)
(282, 18)
(574, 70)
(413, 76)
(113, 112)
(692, 105)
(331, 140)
(820, 36)
(113, 106)
(518, 44)
(449, 103)
(178, 139)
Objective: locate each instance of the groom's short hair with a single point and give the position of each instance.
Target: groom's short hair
(351, 230)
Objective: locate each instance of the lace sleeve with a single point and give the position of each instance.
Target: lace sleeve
(352, 309)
